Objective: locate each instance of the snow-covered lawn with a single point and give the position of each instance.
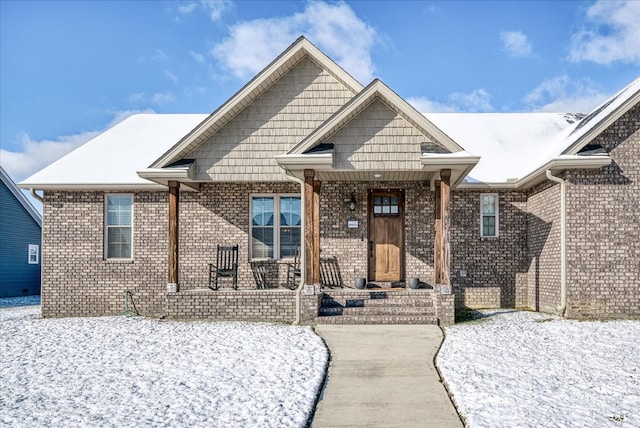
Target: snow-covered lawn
(132, 372)
(526, 369)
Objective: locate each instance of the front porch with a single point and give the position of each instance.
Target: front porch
(317, 306)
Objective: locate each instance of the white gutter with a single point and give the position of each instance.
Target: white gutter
(302, 250)
(563, 242)
(35, 195)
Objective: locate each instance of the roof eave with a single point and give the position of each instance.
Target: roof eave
(15, 191)
(320, 162)
(538, 176)
(92, 186)
(162, 176)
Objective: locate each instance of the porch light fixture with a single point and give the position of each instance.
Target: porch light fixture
(352, 203)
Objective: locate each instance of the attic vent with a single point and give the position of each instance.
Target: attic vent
(181, 163)
(429, 147)
(592, 150)
(320, 148)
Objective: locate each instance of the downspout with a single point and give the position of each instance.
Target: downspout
(563, 242)
(302, 252)
(36, 196)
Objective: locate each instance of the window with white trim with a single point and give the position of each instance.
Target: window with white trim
(118, 231)
(489, 215)
(34, 254)
(276, 222)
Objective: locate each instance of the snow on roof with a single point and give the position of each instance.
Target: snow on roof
(114, 156)
(510, 145)
(600, 115)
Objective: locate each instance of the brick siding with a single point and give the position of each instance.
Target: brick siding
(77, 280)
(489, 262)
(603, 228)
(543, 237)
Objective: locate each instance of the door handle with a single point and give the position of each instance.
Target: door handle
(371, 249)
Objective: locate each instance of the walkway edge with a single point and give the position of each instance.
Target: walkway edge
(444, 383)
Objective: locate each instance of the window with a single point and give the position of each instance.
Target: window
(34, 254)
(275, 226)
(489, 215)
(118, 226)
(385, 205)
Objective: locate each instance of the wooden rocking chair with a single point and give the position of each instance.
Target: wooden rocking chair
(226, 266)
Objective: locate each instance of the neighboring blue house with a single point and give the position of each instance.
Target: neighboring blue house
(20, 241)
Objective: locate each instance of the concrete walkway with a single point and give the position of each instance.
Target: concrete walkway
(383, 376)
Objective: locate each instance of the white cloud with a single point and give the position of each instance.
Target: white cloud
(35, 155)
(478, 100)
(516, 43)
(161, 98)
(614, 36)
(561, 94)
(197, 56)
(425, 105)
(171, 76)
(334, 28)
(213, 8)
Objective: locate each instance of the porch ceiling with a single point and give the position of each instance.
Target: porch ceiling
(388, 175)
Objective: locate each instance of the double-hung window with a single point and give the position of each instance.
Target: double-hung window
(489, 215)
(34, 254)
(275, 226)
(118, 226)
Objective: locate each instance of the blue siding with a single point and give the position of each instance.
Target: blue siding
(18, 229)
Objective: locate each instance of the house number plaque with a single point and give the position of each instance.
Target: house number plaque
(352, 223)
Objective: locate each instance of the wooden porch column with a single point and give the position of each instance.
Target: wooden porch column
(316, 231)
(174, 202)
(445, 189)
(308, 226)
(437, 241)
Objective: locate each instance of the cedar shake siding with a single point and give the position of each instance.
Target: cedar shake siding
(245, 148)
(603, 228)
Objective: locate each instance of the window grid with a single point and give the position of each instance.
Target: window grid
(275, 239)
(33, 256)
(489, 214)
(118, 226)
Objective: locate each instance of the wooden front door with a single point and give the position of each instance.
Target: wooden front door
(386, 235)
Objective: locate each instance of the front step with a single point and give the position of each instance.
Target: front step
(377, 307)
(378, 319)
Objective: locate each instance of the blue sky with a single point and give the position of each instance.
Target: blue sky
(70, 70)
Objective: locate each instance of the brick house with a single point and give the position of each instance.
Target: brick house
(508, 210)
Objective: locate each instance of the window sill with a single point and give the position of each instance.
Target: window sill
(119, 261)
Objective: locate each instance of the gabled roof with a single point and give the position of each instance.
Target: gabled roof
(601, 118)
(17, 193)
(110, 160)
(510, 145)
(375, 90)
(256, 86)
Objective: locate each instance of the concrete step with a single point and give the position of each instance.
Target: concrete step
(393, 302)
(378, 319)
(374, 310)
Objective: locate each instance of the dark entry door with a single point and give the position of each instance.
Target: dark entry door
(386, 235)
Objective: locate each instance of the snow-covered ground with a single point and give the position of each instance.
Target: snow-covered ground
(132, 372)
(526, 369)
